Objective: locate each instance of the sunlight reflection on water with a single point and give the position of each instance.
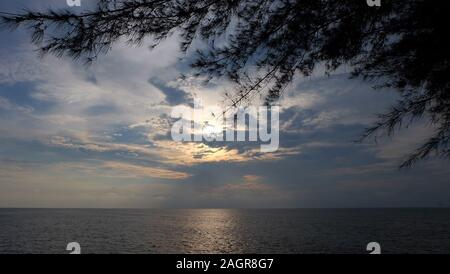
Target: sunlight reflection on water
(224, 230)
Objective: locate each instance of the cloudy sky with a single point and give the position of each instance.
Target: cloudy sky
(98, 136)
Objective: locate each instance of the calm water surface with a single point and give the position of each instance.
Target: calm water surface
(225, 230)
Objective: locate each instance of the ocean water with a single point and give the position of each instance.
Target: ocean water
(225, 230)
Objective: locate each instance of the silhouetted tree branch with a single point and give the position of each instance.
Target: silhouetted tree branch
(262, 44)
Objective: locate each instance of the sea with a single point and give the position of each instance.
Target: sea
(224, 231)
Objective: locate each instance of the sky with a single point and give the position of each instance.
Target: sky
(98, 136)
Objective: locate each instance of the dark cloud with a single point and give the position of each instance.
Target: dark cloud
(174, 96)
